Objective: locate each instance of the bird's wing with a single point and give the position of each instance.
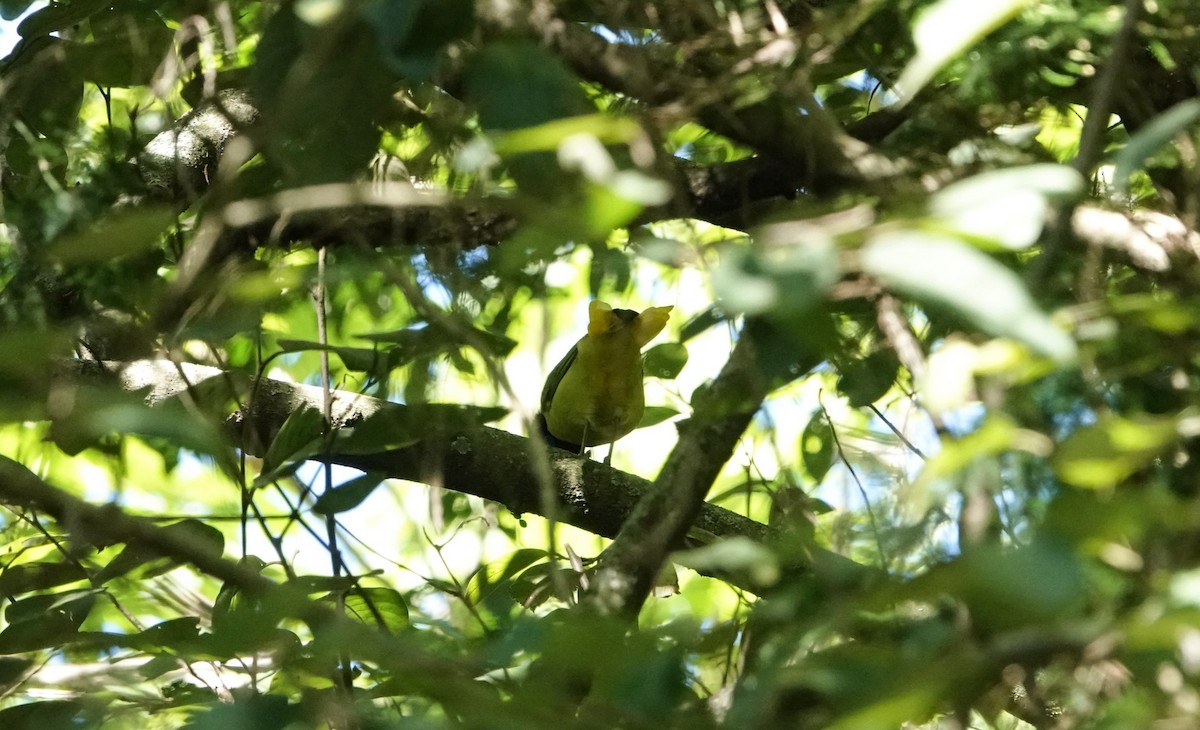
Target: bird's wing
(556, 376)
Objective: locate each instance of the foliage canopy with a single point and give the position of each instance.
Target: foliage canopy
(920, 447)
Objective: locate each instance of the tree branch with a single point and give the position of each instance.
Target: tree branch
(480, 461)
(721, 413)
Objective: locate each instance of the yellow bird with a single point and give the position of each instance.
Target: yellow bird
(594, 395)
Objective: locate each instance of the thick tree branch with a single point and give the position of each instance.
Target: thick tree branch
(659, 522)
(481, 461)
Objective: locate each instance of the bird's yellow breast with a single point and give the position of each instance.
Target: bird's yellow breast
(600, 397)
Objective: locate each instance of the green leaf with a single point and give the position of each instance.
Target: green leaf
(323, 129)
(43, 88)
(48, 715)
(27, 577)
(1103, 455)
(516, 84)
(44, 621)
(817, 446)
(867, 380)
(787, 280)
(99, 412)
(1151, 137)
(122, 233)
(202, 538)
(399, 426)
(345, 497)
(736, 555)
(491, 576)
(378, 606)
(654, 415)
(665, 361)
(945, 30)
(53, 17)
(128, 50)
(298, 439)
(414, 34)
(1006, 206)
(709, 317)
(1009, 588)
(944, 272)
(359, 359)
(12, 9)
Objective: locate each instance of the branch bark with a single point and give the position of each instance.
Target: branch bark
(661, 520)
(480, 461)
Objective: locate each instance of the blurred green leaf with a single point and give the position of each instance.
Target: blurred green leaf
(128, 50)
(45, 715)
(866, 380)
(737, 555)
(1150, 138)
(97, 413)
(1103, 455)
(121, 233)
(52, 17)
(517, 84)
(946, 29)
(42, 87)
(496, 574)
(1009, 589)
(817, 446)
(44, 621)
(12, 9)
(1006, 206)
(785, 281)
(665, 361)
(201, 538)
(711, 316)
(413, 34)
(347, 496)
(944, 272)
(26, 577)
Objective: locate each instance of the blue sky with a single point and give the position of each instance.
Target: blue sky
(8, 30)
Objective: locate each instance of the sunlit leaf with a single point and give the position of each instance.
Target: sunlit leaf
(382, 607)
(945, 30)
(817, 446)
(1006, 206)
(944, 272)
(1107, 453)
(493, 575)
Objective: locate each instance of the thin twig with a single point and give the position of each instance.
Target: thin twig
(335, 558)
(879, 414)
(837, 442)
